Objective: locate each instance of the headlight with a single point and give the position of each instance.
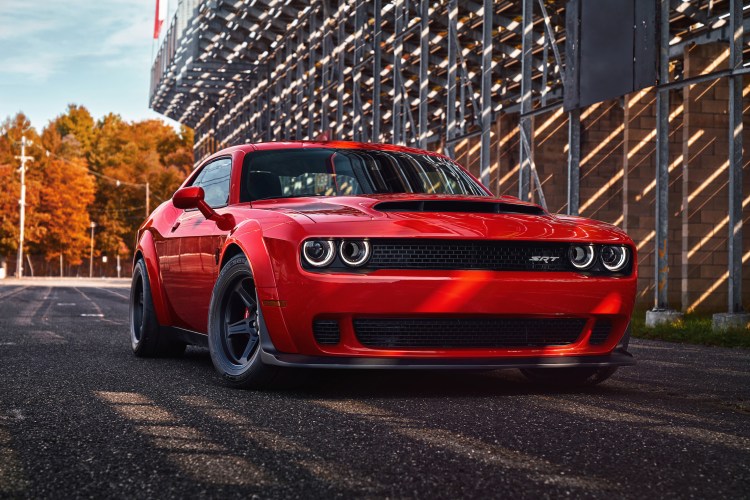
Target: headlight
(354, 253)
(581, 256)
(614, 258)
(319, 253)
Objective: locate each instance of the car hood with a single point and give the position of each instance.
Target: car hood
(404, 215)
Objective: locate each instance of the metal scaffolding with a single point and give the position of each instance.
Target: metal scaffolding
(427, 73)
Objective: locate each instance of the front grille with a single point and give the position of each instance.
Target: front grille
(601, 331)
(467, 332)
(469, 255)
(326, 332)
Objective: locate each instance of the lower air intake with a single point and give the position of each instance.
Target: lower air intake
(467, 332)
(326, 332)
(601, 331)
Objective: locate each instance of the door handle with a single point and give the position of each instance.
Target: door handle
(176, 225)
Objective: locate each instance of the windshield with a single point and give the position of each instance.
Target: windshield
(286, 173)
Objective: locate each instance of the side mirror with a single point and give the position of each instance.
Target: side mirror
(193, 197)
(188, 197)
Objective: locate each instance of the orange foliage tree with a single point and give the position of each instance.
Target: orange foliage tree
(86, 170)
(10, 188)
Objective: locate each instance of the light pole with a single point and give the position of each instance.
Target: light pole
(22, 203)
(91, 254)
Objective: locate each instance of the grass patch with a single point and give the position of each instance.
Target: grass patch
(691, 329)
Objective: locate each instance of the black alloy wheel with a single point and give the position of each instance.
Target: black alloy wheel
(235, 326)
(136, 312)
(239, 336)
(146, 336)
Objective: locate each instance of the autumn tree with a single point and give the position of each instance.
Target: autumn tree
(65, 196)
(134, 154)
(87, 170)
(10, 189)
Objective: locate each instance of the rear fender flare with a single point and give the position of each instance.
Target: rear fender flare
(147, 250)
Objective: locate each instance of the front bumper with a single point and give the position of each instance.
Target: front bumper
(303, 297)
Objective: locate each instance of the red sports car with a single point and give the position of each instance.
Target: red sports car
(350, 255)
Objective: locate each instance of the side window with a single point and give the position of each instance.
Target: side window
(214, 179)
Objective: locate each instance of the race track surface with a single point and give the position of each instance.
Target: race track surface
(80, 416)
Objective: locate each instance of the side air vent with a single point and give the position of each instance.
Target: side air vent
(601, 331)
(326, 332)
(465, 206)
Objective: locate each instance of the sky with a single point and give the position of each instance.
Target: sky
(96, 53)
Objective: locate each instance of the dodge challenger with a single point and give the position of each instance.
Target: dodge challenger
(346, 255)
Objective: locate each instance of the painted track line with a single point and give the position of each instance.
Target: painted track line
(114, 293)
(13, 292)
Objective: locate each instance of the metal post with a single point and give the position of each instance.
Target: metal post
(91, 252)
(376, 67)
(268, 132)
(311, 58)
(545, 55)
(424, 63)
(574, 160)
(61, 264)
(398, 50)
(340, 63)
(735, 157)
(148, 199)
(300, 95)
(324, 126)
(288, 87)
(450, 105)
(484, 154)
(662, 166)
(359, 23)
(22, 207)
(524, 174)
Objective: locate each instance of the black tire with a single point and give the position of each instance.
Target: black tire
(146, 337)
(235, 327)
(569, 377)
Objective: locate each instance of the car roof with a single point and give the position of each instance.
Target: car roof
(265, 146)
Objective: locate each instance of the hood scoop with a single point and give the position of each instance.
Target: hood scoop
(461, 206)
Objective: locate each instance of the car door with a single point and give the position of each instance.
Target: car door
(199, 241)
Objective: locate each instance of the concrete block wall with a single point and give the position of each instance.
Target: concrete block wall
(618, 167)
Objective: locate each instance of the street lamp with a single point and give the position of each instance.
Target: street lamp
(91, 255)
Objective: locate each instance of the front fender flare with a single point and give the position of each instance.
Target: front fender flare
(249, 238)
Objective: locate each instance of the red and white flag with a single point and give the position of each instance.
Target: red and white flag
(161, 15)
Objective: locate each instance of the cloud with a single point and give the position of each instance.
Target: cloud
(39, 39)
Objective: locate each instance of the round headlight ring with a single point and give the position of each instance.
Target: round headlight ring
(614, 257)
(354, 253)
(581, 256)
(318, 253)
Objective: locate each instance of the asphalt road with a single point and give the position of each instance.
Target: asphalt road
(80, 416)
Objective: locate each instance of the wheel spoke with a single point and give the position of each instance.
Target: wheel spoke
(241, 327)
(249, 348)
(247, 297)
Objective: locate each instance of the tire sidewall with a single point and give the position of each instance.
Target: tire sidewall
(237, 268)
(145, 343)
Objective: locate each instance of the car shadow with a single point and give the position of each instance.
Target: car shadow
(363, 383)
